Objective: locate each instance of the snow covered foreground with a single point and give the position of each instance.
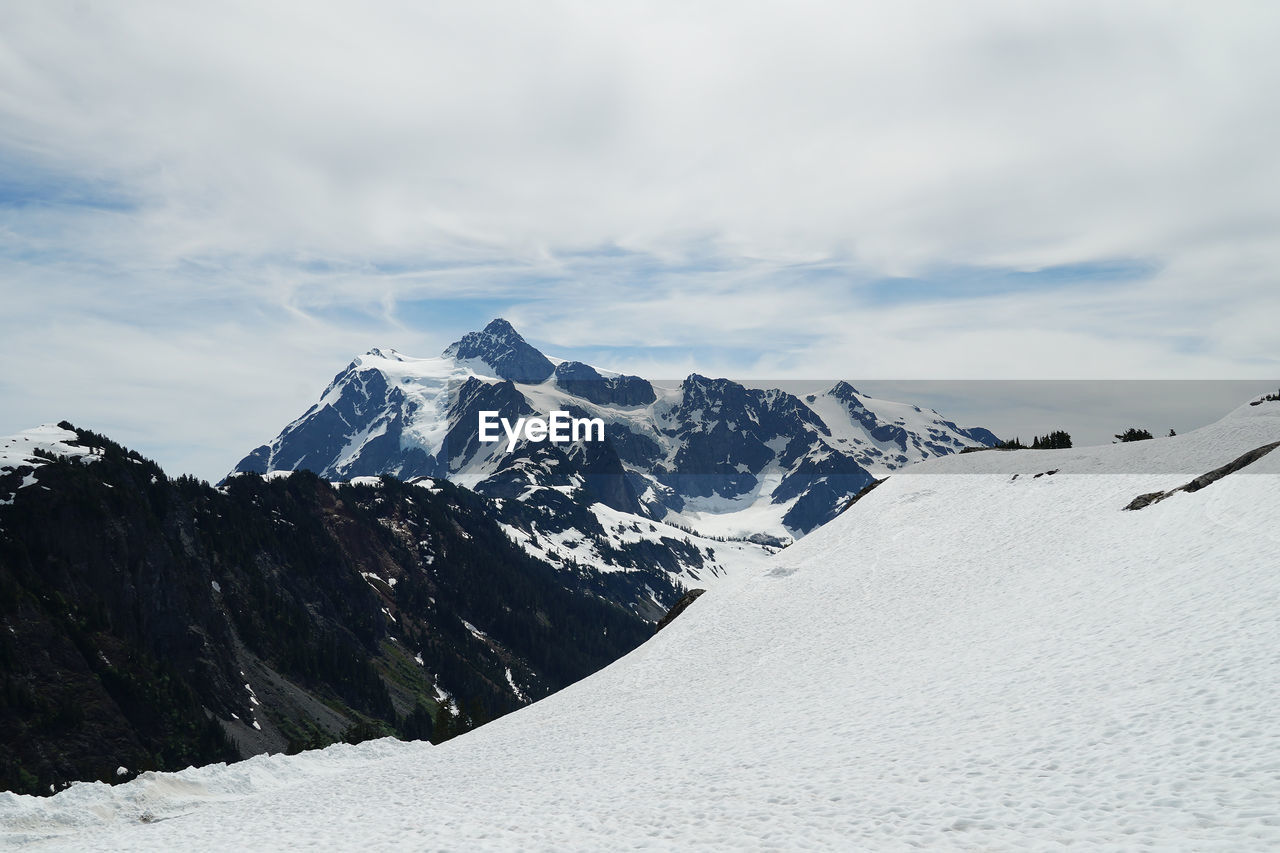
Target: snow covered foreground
(972, 661)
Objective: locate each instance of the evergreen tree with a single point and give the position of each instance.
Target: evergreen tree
(417, 724)
(1056, 440)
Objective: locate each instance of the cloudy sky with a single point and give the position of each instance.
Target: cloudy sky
(207, 209)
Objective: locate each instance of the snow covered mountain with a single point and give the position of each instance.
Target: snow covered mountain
(711, 455)
(987, 652)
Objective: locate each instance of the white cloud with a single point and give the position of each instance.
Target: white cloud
(906, 133)
(670, 168)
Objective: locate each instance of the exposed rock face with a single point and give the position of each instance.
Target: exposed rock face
(358, 402)
(585, 381)
(500, 346)
(680, 606)
(462, 442)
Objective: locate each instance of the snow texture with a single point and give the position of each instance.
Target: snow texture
(963, 660)
(621, 529)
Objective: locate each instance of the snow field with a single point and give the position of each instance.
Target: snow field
(154, 797)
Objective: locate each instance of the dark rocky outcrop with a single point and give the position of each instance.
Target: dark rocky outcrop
(1204, 480)
(1266, 398)
(679, 607)
(862, 493)
(583, 380)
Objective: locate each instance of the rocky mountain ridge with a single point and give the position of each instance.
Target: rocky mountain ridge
(713, 457)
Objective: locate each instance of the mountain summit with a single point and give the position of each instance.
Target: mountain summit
(500, 347)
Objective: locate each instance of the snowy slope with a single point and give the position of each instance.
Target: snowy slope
(962, 660)
(18, 459)
(19, 449)
(378, 390)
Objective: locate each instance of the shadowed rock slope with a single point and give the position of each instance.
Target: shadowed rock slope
(153, 623)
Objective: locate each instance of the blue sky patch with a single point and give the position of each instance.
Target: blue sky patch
(976, 282)
(25, 183)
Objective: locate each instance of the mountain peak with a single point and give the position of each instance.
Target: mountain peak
(501, 347)
(386, 353)
(842, 390)
(498, 327)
